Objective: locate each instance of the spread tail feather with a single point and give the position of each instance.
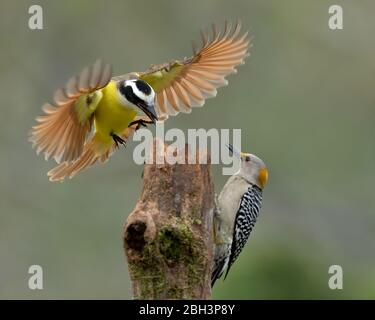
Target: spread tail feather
(93, 151)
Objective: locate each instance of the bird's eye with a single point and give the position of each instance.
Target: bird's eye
(143, 87)
(247, 159)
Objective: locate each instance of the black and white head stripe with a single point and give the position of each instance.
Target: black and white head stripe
(137, 91)
(143, 87)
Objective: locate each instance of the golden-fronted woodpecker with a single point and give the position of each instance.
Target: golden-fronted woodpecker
(238, 207)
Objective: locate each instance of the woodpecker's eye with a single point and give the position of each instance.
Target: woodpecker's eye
(247, 159)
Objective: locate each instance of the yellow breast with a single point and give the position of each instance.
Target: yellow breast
(111, 116)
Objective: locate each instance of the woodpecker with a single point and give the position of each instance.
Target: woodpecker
(238, 207)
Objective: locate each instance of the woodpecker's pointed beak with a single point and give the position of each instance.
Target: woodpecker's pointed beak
(149, 110)
(234, 151)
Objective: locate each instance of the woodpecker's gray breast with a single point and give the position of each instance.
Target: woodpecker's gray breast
(246, 217)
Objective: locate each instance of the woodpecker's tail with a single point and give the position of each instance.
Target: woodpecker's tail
(221, 259)
(217, 271)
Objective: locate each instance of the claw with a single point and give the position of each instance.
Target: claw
(118, 140)
(139, 123)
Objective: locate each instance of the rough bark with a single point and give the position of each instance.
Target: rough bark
(168, 238)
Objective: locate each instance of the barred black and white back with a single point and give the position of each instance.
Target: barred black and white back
(246, 218)
(247, 215)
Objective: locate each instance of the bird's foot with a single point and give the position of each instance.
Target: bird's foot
(139, 123)
(118, 140)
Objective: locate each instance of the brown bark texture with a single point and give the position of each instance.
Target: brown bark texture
(168, 238)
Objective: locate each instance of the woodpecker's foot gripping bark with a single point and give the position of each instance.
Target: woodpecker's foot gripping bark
(140, 123)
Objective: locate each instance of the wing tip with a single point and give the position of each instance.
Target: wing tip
(222, 50)
(230, 31)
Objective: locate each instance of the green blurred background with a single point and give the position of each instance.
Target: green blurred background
(304, 101)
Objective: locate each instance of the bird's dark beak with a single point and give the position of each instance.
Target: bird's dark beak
(234, 151)
(149, 110)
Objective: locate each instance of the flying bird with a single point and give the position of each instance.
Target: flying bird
(238, 207)
(96, 112)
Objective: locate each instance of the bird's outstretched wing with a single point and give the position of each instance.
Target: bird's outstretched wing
(62, 130)
(181, 85)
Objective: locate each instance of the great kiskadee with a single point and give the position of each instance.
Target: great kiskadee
(95, 112)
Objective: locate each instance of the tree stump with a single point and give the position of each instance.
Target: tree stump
(168, 237)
